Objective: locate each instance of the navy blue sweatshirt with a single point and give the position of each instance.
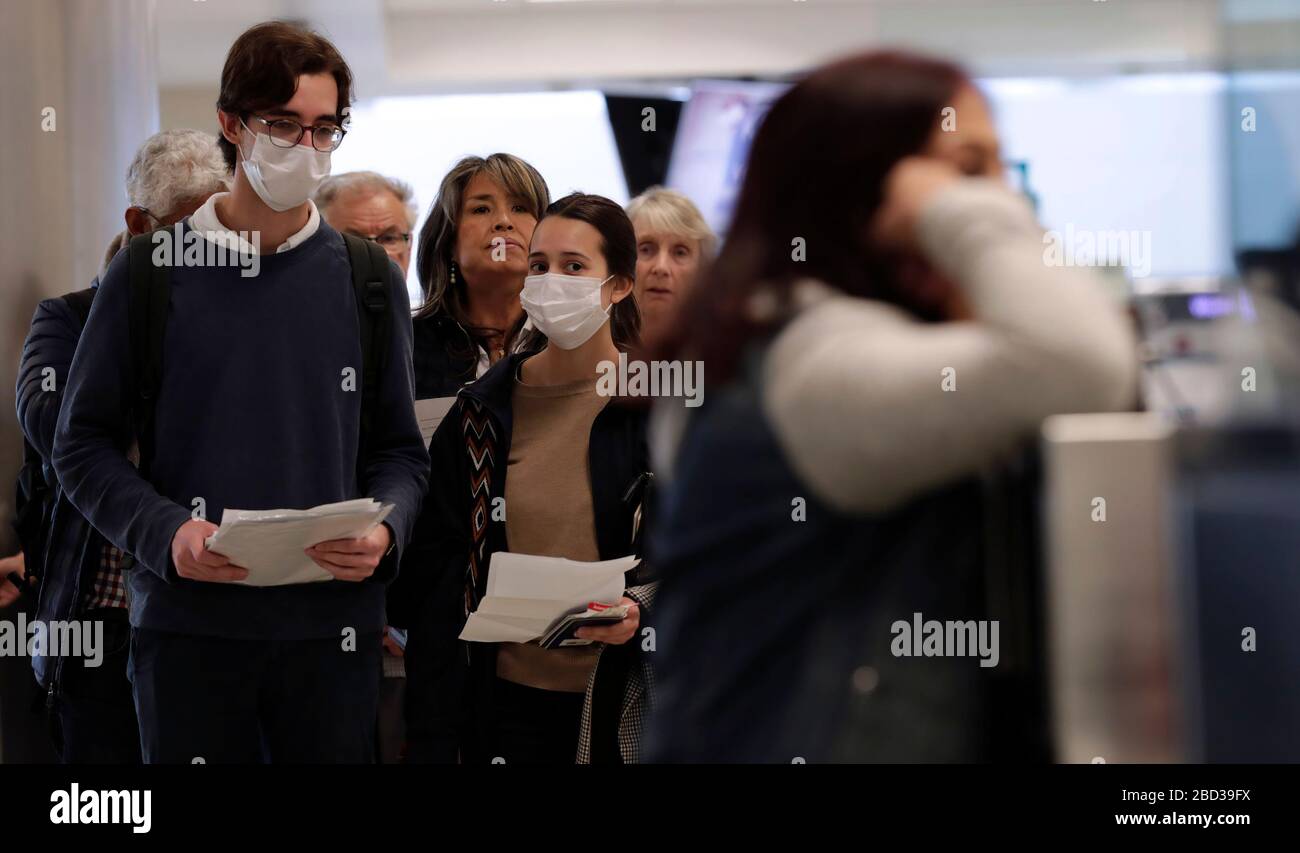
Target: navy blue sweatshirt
(253, 413)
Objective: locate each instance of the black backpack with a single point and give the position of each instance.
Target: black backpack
(149, 302)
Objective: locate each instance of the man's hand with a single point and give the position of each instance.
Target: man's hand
(618, 633)
(15, 565)
(352, 559)
(194, 561)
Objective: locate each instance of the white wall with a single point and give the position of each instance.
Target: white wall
(426, 46)
(1266, 160)
(188, 106)
(1143, 153)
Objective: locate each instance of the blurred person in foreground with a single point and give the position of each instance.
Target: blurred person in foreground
(672, 242)
(81, 573)
(878, 327)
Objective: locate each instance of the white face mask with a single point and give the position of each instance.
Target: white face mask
(284, 178)
(565, 308)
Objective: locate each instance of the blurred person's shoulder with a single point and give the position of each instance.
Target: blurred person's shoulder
(820, 315)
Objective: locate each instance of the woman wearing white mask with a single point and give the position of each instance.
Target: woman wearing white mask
(533, 459)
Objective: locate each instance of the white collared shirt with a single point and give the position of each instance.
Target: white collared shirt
(205, 221)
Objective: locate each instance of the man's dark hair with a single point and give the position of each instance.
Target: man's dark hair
(263, 67)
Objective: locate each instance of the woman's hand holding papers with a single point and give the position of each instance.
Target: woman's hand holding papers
(193, 560)
(352, 559)
(618, 633)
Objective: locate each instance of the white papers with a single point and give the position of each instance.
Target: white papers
(271, 543)
(526, 594)
(430, 412)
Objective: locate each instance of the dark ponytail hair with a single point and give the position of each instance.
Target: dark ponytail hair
(618, 246)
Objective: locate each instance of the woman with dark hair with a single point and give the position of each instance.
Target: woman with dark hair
(878, 328)
(535, 437)
(471, 260)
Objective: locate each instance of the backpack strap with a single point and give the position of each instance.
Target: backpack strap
(370, 283)
(150, 301)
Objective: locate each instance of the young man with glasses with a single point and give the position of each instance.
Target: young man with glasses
(254, 410)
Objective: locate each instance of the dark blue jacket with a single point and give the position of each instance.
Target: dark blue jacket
(445, 357)
(72, 545)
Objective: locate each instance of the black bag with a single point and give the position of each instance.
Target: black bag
(151, 298)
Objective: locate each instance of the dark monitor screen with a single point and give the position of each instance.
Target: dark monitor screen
(1237, 558)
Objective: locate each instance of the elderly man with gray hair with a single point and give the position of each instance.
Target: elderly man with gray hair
(173, 173)
(371, 206)
(171, 176)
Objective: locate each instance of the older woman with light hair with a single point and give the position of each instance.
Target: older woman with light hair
(171, 176)
(673, 240)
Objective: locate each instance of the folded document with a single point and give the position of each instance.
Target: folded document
(528, 596)
(271, 543)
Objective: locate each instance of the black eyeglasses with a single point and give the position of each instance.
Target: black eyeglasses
(389, 239)
(147, 213)
(286, 133)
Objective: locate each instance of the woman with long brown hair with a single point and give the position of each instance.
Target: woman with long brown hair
(471, 260)
(879, 326)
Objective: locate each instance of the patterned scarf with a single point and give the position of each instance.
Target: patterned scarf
(480, 442)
